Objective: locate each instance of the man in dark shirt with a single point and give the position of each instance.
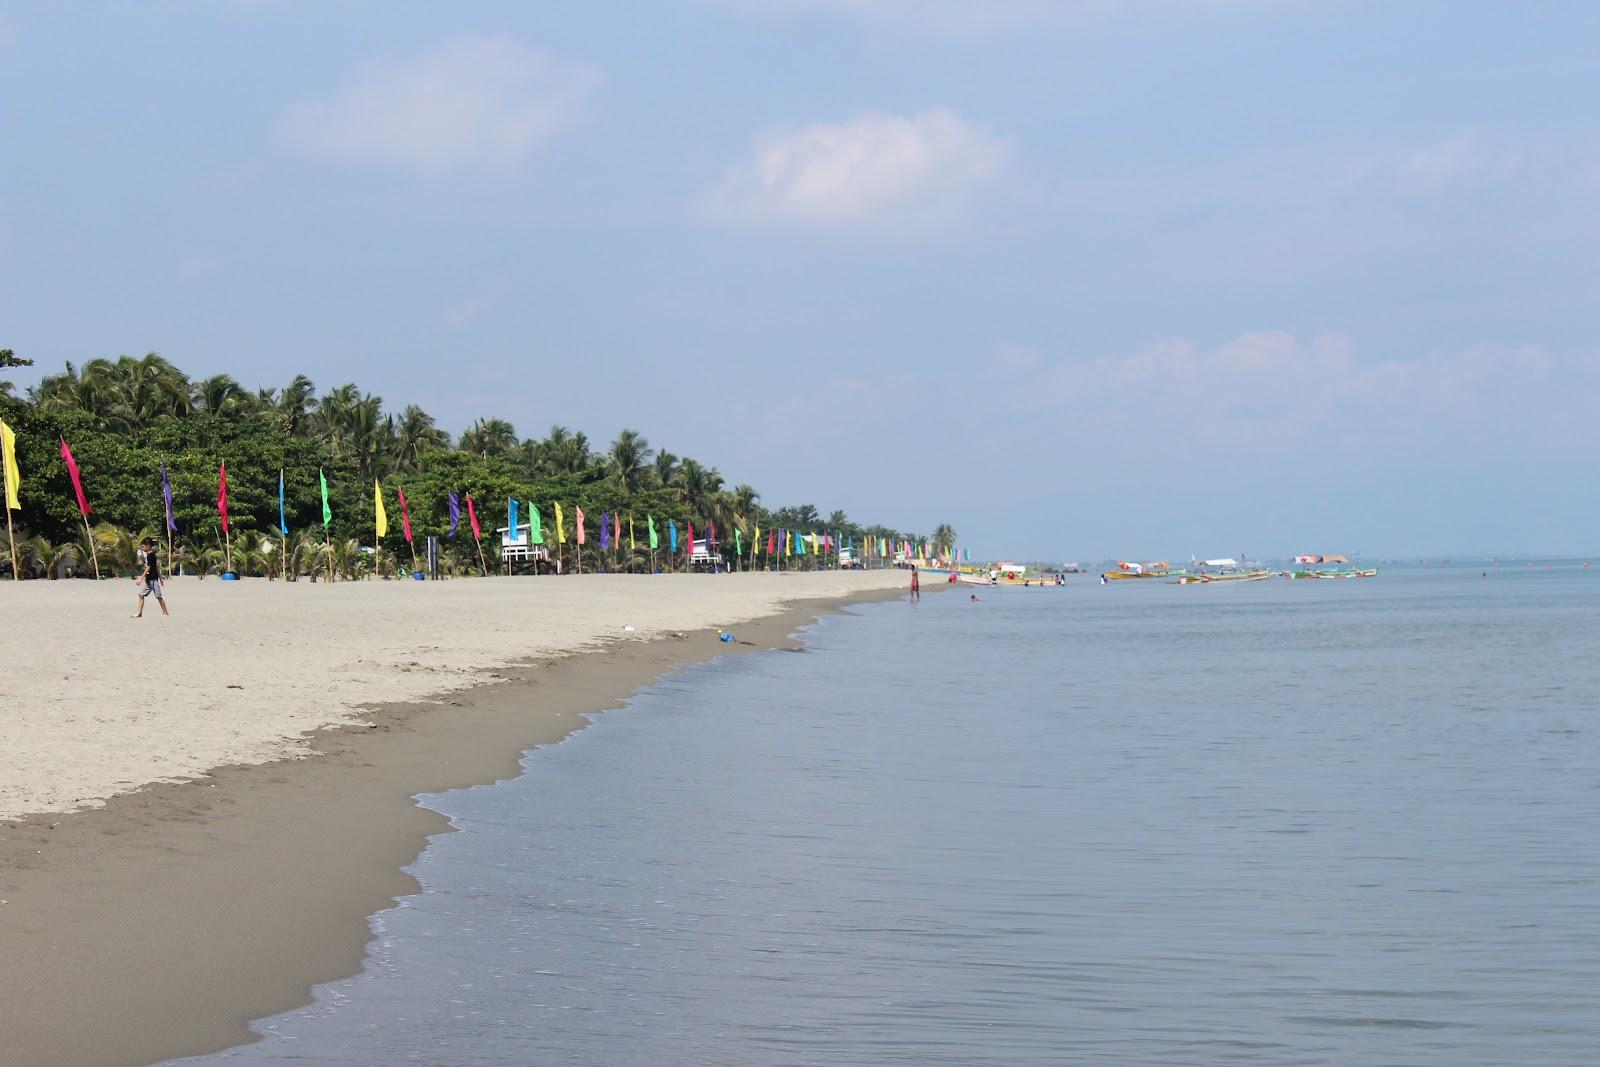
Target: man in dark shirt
(149, 580)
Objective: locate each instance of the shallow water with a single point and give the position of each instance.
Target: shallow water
(1280, 823)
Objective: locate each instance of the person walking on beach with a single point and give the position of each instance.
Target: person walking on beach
(916, 585)
(149, 580)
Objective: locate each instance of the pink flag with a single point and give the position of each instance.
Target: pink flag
(472, 513)
(580, 524)
(405, 516)
(616, 528)
(222, 497)
(77, 483)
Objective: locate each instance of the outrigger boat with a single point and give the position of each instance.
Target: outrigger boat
(1221, 570)
(1126, 571)
(1341, 568)
(1011, 574)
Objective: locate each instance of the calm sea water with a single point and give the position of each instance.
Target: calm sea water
(1277, 823)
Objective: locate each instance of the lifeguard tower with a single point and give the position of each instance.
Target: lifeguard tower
(703, 555)
(517, 547)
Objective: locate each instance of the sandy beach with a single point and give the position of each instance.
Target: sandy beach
(99, 704)
(212, 876)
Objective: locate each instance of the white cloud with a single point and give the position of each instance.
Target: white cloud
(884, 168)
(1461, 158)
(472, 101)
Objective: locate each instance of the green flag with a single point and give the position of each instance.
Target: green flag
(533, 519)
(738, 542)
(655, 542)
(327, 509)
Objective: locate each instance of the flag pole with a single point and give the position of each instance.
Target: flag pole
(328, 536)
(227, 548)
(93, 555)
(283, 555)
(169, 551)
(11, 539)
(481, 564)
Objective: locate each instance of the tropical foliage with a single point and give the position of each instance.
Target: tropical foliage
(126, 417)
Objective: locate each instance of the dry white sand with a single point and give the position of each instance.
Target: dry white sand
(95, 703)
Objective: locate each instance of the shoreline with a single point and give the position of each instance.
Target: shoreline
(160, 924)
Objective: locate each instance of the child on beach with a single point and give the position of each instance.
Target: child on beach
(149, 580)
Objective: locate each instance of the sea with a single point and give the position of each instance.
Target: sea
(1283, 822)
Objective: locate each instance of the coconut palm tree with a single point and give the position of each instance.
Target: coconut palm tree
(630, 458)
(665, 469)
(414, 434)
(943, 538)
(222, 396)
(489, 437)
(294, 405)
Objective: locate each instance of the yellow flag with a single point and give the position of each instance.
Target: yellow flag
(630, 533)
(383, 516)
(755, 541)
(561, 528)
(8, 459)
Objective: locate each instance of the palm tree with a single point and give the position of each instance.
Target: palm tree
(630, 458)
(489, 437)
(221, 395)
(943, 538)
(563, 452)
(294, 405)
(665, 469)
(413, 435)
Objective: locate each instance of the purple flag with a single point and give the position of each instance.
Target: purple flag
(455, 516)
(166, 494)
(605, 533)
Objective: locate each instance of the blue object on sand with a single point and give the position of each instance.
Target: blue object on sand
(229, 576)
(724, 636)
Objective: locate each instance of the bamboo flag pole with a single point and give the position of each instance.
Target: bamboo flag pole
(93, 555)
(10, 475)
(329, 537)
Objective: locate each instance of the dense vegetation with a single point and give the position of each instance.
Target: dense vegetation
(123, 418)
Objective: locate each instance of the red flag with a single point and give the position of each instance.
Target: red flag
(222, 497)
(405, 516)
(77, 483)
(772, 543)
(690, 548)
(616, 528)
(711, 531)
(472, 513)
(580, 524)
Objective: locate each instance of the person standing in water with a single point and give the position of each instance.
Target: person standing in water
(149, 579)
(916, 586)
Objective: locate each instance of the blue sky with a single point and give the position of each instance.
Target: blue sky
(1085, 279)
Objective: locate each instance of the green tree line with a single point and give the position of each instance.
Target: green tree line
(124, 418)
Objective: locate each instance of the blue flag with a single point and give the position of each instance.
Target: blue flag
(672, 532)
(513, 530)
(605, 532)
(283, 519)
(455, 516)
(166, 494)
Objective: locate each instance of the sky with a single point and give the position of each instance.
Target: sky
(1085, 279)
